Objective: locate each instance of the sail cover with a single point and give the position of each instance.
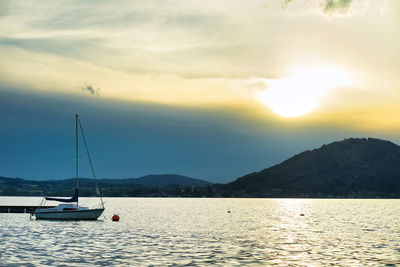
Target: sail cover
(72, 199)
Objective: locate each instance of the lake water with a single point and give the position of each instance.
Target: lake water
(201, 232)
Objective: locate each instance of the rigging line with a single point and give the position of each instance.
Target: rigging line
(91, 165)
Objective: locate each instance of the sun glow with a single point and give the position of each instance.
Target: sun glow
(300, 93)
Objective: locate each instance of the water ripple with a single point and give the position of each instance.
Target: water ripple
(198, 232)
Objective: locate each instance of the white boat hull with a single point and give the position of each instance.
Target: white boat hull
(88, 214)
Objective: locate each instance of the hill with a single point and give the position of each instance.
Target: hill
(349, 168)
(355, 167)
(150, 185)
(159, 180)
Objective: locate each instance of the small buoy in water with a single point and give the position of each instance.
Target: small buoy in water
(302, 214)
(115, 218)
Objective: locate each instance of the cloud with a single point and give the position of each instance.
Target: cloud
(285, 3)
(332, 6)
(148, 37)
(189, 53)
(329, 7)
(91, 90)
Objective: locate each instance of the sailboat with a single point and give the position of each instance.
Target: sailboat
(72, 211)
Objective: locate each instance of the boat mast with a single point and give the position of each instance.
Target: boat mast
(91, 164)
(76, 148)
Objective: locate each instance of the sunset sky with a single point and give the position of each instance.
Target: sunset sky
(208, 89)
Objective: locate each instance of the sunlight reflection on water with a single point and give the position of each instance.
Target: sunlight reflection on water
(201, 232)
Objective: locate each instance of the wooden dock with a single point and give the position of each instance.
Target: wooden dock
(20, 209)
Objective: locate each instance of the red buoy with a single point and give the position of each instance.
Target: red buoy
(115, 218)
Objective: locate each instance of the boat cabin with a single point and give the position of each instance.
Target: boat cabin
(65, 207)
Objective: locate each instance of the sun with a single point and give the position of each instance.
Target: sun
(300, 93)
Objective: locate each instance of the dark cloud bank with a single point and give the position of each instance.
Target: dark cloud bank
(130, 139)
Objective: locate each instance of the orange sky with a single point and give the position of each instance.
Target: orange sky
(201, 54)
